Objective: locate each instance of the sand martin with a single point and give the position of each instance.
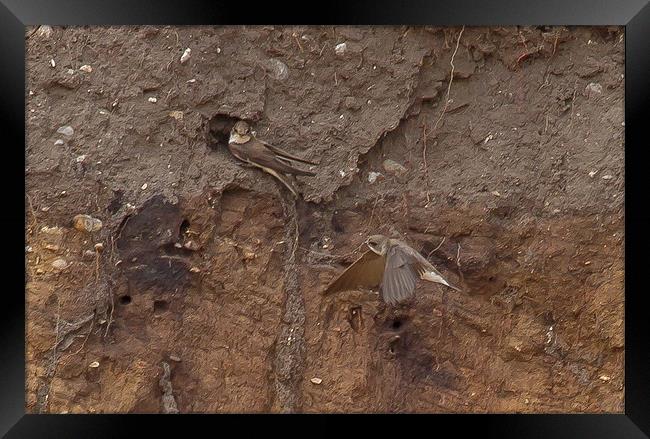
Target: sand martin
(243, 145)
(392, 266)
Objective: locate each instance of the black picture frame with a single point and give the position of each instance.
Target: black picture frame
(633, 14)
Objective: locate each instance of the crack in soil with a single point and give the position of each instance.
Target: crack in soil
(289, 349)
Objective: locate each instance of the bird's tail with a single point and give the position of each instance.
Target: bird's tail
(301, 172)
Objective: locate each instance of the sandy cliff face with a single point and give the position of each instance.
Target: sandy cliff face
(513, 188)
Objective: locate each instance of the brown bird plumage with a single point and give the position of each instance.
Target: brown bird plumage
(244, 146)
(391, 265)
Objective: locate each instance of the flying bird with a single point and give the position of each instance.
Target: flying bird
(391, 265)
(244, 146)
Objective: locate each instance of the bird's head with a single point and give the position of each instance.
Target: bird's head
(240, 132)
(378, 244)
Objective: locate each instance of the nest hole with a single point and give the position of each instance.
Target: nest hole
(219, 130)
(184, 227)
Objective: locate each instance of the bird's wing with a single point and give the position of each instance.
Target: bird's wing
(259, 153)
(366, 272)
(400, 276)
(423, 267)
(285, 154)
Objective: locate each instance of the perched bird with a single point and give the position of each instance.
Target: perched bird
(243, 145)
(391, 265)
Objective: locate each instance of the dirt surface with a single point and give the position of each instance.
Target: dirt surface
(204, 295)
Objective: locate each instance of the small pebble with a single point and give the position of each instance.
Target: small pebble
(86, 68)
(60, 264)
(81, 158)
(52, 247)
(44, 31)
(316, 380)
(178, 115)
(86, 223)
(94, 364)
(340, 48)
(58, 142)
(277, 69)
(52, 230)
(372, 176)
(70, 72)
(99, 247)
(29, 249)
(248, 255)
(496, 193)
(191, 245)
(607, 177)
(342, 173)
(39, 271)
(174, 358)
(89, 254)
(351, 103)
(66, 130)
(186, 55)
(153, 100)
(594, 87)
(592, 173)
(392, 167)
(604, 378)
(144, 186)
(195, 269)
(53, 63)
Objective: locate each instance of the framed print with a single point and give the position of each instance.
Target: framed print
(396, 210)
